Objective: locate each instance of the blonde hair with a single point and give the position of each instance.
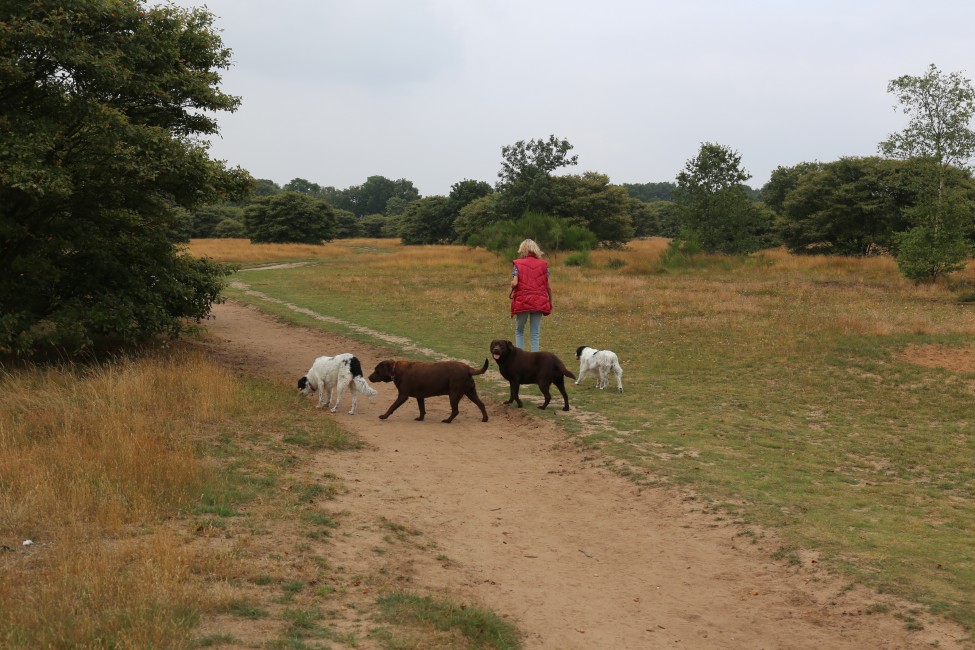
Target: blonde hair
(529, 246)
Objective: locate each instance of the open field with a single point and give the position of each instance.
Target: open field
(828, 399)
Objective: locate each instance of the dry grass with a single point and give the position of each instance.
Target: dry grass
(92, 460)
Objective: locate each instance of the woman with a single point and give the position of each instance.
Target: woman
(531, 297)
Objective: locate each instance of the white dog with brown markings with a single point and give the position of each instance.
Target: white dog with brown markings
(331, 376)
(601, 362)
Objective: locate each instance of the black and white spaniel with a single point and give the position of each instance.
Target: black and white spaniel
(331, 376)
(602, 363)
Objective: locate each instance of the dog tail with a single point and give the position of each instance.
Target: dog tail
(364, 386)
(355, 367)
(565, 371)
(482, 370)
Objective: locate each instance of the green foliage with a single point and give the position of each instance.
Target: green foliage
(590, 201)
(847, 207)
(347, 226)
(429, 220)
(204, 220)
(102, 104)
(715, 204)
(650, 192)
(681, 251)
(655, 219)
(229, 229)
(290, 217)
(579, 258)
(938, 135)
(940, 108)
(373, 196)
(476, 216)
(550, 233)
(525, 179)
(782, 181)
(376, 225)
(924, 254)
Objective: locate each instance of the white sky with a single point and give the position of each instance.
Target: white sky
(335, 91)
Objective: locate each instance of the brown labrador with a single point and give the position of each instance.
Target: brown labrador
(521, 367)
(421, 379)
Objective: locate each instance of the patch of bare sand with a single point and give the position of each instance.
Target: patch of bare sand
(938, 356)
(529, 527)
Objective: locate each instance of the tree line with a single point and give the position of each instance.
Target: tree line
(105, 106)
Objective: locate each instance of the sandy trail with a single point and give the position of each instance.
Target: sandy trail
(531, 528)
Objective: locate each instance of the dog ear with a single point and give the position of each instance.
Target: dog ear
(302, 383)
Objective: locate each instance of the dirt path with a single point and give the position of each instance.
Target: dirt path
(529, 527)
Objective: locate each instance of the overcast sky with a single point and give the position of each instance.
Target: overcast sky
(335, 91)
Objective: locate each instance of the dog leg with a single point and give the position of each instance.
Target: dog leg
(355, 394)
(472, 396)
(514, 394)
(423, 411)
(619, 378)
(454, 401)
(560, 384)
(583, 371)
(546, 393)
(395, 405)
(339, 389)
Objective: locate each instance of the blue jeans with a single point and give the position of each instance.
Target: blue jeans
(535, 329)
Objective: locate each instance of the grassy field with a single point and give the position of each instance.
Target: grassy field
(170, 504)
(778, 388)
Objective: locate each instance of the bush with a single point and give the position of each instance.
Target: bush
(229, 229)
(924, 254)
(290, 218)
(579, 258)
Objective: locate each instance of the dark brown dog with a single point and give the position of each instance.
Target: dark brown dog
(421, 379)
(521, 367)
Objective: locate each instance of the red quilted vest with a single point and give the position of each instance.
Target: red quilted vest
(531, 294)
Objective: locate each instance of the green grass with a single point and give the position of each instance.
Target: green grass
(778, 387)
(479, 628)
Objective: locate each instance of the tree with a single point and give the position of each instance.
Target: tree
(654, 219)
(590, 201)
(525, 178)
(290, 218)
(372, 196)
(852, 206)
(476, 216)
(347, 225)
(782, 181)
(205, 218)
(940, 108)
(715, 206)
(104, 110)
(429, 220)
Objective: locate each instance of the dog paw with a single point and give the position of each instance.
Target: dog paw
(383, 417)
(565, 408)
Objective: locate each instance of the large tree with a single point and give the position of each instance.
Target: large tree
(940, 108)
(525, 180)
(714, 204)
(104, 109)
